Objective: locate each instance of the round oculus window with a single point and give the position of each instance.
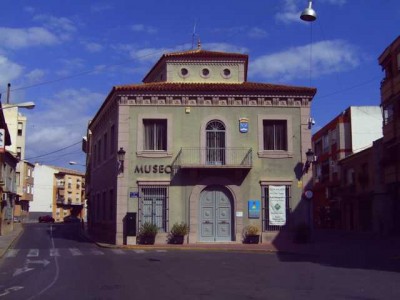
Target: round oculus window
(226, 72)
(184, 72)
(205, 72)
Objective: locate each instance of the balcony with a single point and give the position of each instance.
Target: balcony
(213, 158)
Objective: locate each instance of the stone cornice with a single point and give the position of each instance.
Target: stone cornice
(214, 100)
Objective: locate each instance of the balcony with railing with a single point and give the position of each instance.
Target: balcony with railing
(211, 158)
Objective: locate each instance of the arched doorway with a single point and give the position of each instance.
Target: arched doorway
(215, 215)
(215, 142)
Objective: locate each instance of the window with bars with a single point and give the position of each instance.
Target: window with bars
(275, 135)
(153, 206)
(268, 200)
(155, 134)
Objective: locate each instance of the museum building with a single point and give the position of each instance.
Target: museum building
(197, 143)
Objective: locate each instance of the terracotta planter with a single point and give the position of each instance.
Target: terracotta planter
(251, 239)
(177, 239)
(147, 240)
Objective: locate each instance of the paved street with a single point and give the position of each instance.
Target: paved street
(55, 261)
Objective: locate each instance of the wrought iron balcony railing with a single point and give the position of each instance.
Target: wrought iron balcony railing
(213, 158)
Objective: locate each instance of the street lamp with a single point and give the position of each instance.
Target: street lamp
(27, 105)
(121, 157)
(310, 160)
(309, 14)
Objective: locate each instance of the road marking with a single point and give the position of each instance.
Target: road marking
(22, 270)
(11, 289)
(33, 253)
(97, 252)
(54, 252)
(140, 251)
(12, 253)
(118, 251)
(161, 250)
(43, 262)
(75, 251)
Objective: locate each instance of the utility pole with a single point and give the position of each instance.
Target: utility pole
(8, 93)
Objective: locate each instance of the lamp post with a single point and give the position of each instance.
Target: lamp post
(27, 105)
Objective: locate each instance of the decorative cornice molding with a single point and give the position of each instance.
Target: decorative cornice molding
(215, 100)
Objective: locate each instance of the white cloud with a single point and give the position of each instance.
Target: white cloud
(290, 13)
(257, 33)
(63, 27)
(144, 28)
(70, 66)
(29, 9)
(35, 76)
(68, 113)
(9, 71)
(292, 9)
(55, 23)
(327, 57)
(93, 47)
(100, 7)
(16, 38)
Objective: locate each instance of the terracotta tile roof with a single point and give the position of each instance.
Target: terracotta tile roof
(199, 53)
(215, 87)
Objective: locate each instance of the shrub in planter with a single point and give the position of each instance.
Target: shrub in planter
(251, 234)
(302, 233)
(177, 233)
(147, 234)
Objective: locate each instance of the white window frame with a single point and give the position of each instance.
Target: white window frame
(140, 151)
(289, 134)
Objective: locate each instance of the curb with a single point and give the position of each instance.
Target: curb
(12, 241)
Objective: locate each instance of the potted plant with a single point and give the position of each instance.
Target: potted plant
(177, 233)
(147, 234)
(251, 234)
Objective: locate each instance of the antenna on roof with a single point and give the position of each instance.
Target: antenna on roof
(194, 33)
(198, 43)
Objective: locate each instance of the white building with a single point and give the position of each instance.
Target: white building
(44, 188)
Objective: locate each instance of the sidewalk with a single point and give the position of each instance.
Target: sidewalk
(7, 239)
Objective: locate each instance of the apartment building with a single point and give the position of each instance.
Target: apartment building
(198, 143)
(352, 131)
(70, 195)
(389, 60)
(58, 191)
(16, 123)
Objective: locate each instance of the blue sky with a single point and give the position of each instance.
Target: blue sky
(67, 55)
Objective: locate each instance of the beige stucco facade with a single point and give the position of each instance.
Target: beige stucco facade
(188, 100)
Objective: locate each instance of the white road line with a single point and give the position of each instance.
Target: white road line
(161, 250)
(118, 251)
(33, 253)
(140, 251)
(97, 252)
(54, 252)
(75, 251)
(11, 253)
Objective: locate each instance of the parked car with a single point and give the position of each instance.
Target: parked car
(46, 219)
(71, 219)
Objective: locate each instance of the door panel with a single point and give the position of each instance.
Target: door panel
(215, 216)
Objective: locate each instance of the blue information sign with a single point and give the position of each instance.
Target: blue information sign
(254, 209)
(134, 195)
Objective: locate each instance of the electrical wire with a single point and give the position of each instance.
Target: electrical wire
(55, 151)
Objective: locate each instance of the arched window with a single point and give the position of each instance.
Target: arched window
(215, 143)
